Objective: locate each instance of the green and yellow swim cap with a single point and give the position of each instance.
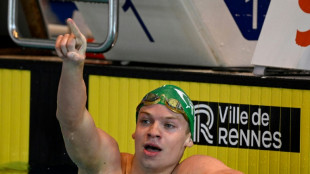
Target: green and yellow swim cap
(174, 98)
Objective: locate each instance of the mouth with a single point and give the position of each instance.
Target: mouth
(151, 149)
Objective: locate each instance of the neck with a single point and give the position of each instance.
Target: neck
(138, 168)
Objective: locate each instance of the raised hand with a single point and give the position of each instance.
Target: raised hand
(71, 46)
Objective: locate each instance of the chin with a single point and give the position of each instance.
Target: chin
(150, 164)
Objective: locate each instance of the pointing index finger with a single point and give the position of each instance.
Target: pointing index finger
(73, 28)
(80, 39)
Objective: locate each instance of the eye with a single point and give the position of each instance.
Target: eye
(145, 121)
(169, 126)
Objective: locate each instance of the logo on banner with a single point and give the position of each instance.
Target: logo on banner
(247, 126)
(249, 16)
(202, 110)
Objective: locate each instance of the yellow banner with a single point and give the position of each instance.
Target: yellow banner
(14, 120)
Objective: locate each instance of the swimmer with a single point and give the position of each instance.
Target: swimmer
(164, 125)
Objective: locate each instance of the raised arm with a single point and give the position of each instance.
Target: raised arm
(93, 150)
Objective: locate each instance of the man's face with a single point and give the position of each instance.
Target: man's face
(161, 137)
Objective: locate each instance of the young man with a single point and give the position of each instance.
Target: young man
(163, 131)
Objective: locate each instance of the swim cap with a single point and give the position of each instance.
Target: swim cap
(174, 98)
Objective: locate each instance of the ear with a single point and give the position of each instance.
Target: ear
(189, 142)
(133, 135)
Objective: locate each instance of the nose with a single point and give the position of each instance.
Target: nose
(154, 131)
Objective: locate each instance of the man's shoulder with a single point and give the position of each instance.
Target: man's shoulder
(203, 164)
(200, 162)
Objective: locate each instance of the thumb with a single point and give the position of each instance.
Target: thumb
(74, 56)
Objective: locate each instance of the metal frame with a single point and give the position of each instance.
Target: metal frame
(50, 44)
